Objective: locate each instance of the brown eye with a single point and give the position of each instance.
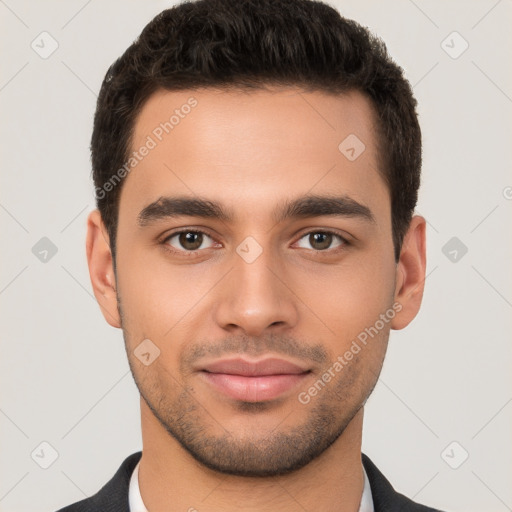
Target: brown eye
(321, 240)
(190, 241)
(187, 240)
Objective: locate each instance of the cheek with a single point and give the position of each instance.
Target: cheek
(156, 295)
(351, 297)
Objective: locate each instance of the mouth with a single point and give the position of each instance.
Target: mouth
(254, 381)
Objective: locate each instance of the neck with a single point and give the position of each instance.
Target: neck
(170, 476)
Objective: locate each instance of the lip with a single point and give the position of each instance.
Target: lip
(262, 368)
(253, 381)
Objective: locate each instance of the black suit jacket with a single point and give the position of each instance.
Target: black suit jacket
(113, 496)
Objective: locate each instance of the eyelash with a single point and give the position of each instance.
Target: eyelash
(196, 252)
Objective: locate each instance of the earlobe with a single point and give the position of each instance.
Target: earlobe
(101, 271)
(410, 273)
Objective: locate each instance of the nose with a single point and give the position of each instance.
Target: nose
(255, 297)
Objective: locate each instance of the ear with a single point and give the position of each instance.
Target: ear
(101, 270)
(410, 273)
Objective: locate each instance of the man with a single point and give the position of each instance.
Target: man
(256, 165)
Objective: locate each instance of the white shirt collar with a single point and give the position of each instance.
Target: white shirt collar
(366, 504)
(134, 497)
(137, 505)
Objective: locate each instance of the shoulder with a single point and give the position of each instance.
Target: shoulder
(113, 496)
(385, 498)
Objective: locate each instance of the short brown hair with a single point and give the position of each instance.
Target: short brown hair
(252, 44)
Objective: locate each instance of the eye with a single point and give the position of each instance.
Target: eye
(188, 240)
(321, 240)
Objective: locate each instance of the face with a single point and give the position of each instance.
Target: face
(255, 276)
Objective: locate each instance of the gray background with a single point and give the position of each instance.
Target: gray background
(63, 370)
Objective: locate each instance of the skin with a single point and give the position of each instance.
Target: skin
(250, 151)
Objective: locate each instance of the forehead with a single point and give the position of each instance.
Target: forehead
(247, 148)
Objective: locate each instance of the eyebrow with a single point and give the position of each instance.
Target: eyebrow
(303, 207)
